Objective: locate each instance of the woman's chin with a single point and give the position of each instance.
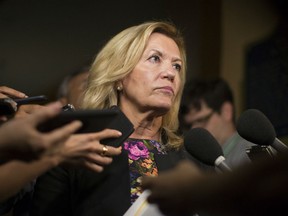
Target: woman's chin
(163, 108)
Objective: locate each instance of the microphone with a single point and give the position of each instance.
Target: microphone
(204, 147)
(255, 127)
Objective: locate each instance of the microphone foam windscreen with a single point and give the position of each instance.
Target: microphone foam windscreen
(255, 127)
(202, 145)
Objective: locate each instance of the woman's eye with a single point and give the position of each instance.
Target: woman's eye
(154, 58)
(177, 67)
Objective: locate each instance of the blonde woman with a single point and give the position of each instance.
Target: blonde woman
(142, 71)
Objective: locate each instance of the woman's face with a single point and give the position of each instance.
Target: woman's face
(155, 80)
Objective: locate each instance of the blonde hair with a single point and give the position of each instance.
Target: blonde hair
(118, 58)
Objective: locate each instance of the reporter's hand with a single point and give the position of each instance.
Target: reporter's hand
(20, 139)
(86, 150)
(27, 109)
(23, 110)
(11, 93)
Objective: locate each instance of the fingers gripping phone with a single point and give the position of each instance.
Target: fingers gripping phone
(94, 121)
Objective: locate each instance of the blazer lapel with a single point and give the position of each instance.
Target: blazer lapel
(168, 161)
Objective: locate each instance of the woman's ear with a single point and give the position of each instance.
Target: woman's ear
(119, 86)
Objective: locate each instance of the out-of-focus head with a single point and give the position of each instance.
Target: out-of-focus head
(143, 67)
(209, 104)
(73, 86)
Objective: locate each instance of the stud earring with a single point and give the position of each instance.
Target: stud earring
(119, 88)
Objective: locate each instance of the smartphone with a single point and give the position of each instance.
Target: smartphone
(30, 100)
(120, 123)
(94, 121)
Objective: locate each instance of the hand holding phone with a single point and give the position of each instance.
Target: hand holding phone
(94, 121)
(9, 106)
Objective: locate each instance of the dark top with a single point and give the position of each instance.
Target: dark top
(68, 190)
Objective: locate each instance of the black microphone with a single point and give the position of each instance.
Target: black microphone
(204, 147)
(255, 127)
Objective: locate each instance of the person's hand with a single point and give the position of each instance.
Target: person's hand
(20, 139)
(11, 93)
(172, 190)
(27, 109)
(23, 110)
(7, 94)
(86, 149)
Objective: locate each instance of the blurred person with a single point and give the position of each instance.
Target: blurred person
(30, 144)
(254, 189)
(210, 104)
(73, 86)
(13, 148)
(25, 153)
(142, 71)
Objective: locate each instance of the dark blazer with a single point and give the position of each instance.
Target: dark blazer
(78, 191)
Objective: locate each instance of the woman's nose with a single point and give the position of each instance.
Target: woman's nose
(169, 72)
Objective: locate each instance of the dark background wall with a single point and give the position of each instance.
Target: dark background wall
(41, 41)
(254, 55)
